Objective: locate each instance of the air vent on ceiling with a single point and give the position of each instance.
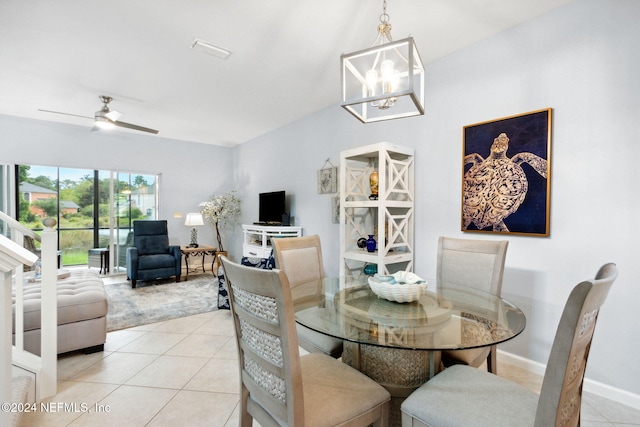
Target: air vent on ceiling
(210, 49)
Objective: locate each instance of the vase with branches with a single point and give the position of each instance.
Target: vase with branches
(221, 211)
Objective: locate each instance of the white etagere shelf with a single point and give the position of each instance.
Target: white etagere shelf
(390, 218)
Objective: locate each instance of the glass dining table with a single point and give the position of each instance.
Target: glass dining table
(399, 344)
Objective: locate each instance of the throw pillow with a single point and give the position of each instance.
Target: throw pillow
(263, 263)
(223, 295)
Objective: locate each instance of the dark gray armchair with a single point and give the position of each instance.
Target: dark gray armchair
(151, 257)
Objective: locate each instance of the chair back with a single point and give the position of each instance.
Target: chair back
(300, 258)
(271, 379)
(30, 245)
(151, 237)
(477, 264)
(122, 250)
(474, 263)
(561, 394)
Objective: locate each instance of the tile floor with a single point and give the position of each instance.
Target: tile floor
(184, 372)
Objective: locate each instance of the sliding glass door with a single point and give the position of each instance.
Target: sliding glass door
(135, 197)
(73, 207)
(93, 207)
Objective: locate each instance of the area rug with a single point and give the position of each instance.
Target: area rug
(159, 300)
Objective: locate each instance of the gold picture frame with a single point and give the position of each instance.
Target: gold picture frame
(506, 175)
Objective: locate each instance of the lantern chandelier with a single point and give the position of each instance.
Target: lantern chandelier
(385, 81)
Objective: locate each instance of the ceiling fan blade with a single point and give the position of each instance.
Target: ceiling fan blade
(135, 127)
(105, 116)
(66, 114)
(113, 115)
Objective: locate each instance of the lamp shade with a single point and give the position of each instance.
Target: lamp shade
(194, 219)
(383, 82)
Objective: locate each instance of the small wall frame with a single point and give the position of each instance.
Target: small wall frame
(506, 175)
(335, 209)
(328, 180)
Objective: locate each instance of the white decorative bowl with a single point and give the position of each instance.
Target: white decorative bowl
(407, 292)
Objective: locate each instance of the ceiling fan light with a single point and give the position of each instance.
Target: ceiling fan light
(102, 121)
(210, 49)
(104, 125)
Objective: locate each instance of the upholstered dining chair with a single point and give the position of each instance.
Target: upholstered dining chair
(278, 386)
(478, 264)
(301, 260)
(465, 396)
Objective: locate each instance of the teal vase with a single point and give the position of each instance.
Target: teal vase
(370, 269)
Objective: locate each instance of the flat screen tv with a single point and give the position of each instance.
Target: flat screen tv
(271, 207)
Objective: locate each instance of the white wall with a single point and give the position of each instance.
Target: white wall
(579, 60)
(189, 172)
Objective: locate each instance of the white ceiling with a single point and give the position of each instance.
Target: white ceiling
(60, 55)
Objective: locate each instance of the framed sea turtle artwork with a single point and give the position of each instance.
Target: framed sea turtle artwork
(506, 175)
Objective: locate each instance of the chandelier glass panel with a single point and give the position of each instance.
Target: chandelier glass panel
(385, 81)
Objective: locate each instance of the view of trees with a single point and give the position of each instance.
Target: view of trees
(81, 193)
(77, 203)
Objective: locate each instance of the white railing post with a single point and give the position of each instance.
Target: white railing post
(49, 310)
(5, 344)
(18, 237)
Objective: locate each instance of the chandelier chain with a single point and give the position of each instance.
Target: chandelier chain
(384, 18)
(384, 28)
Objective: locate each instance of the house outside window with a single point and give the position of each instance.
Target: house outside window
(92, 207)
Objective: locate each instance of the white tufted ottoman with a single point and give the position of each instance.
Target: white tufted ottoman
(82, 314)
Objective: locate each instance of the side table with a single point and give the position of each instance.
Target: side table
(99, 257)
(201, 250)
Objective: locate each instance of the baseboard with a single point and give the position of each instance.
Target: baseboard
(590, 386)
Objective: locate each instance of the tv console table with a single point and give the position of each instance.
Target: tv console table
(257, 238)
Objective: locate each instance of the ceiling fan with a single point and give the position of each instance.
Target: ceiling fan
(105, 118)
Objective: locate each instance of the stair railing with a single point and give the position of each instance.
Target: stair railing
(13, 258)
